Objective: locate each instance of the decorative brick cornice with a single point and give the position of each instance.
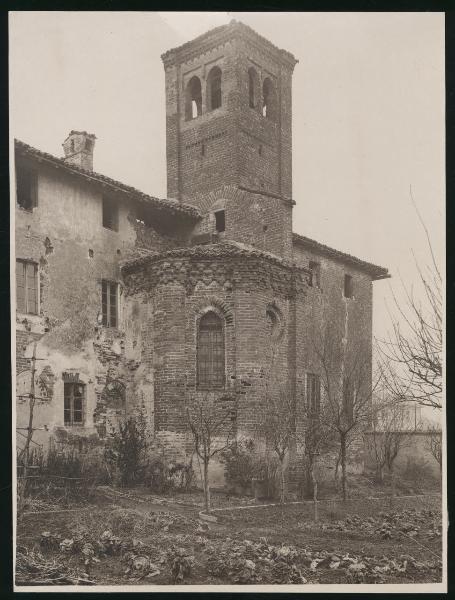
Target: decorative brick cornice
(221, 35)
(227, 264)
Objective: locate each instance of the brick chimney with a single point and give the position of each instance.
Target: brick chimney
(78, 148)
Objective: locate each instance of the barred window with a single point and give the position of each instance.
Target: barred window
(109, 301)
(210, 352)
(74, 400)
(313, 393)
(27, 287)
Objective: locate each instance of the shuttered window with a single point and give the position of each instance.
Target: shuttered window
(210, 352)
(109, 302)
(27, 287)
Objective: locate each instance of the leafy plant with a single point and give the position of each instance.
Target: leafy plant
(125, 449)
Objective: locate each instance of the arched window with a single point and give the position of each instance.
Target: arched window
(214, 88)
(274, 324)
(193, 99)
(268, 100)
(210, 352)
(253, 87)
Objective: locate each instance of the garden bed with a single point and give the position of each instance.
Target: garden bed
(272, 544)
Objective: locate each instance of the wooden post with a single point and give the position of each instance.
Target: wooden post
(25, 454)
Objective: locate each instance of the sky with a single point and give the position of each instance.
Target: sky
(368, 116)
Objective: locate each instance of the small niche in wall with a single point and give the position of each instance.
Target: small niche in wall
(90, 253)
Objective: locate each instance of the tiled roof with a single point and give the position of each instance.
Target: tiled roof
(167, 205)
(224, 249)
(375, 271)
(217, 34)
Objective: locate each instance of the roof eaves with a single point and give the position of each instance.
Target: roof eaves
(375, 271)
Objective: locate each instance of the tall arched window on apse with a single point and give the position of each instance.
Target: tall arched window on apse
(210, 352)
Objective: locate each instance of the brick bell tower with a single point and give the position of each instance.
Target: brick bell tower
(228, 114)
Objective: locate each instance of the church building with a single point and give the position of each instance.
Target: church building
(141, 302)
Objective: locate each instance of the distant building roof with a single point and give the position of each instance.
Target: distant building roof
(172, 206)
(374, 271)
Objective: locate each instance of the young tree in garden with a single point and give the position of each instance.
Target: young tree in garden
(277, 428)
(434, 444)
(412, 354)
(346, 380)
(212, 424)
(389, 435)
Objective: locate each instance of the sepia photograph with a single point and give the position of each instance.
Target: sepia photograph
(227, 301)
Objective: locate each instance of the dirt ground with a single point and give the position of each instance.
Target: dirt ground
(130, 541)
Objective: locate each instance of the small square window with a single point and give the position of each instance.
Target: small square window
(348, 286)
(26, 188)
(110, 214)
(315, 269)
(109, 303)
(220, 221)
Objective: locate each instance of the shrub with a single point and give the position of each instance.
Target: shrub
(162, 476)
(125, 450)
(242, 464)
(417, 470)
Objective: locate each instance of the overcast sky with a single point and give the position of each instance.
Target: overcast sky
(368, 114)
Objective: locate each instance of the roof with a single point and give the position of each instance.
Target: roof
(375, 271)
(223, 249)
(172, 206)
(218, 35)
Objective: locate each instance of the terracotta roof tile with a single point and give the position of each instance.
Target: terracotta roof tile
(375, 271)
(158, 203)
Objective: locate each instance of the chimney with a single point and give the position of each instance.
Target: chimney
(78, 148)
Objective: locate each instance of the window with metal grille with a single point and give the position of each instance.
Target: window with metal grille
(110, 214)
(109, 301)
(26, 188)
(74, 402)
(313, 393)
(27, 287)
(210, 352)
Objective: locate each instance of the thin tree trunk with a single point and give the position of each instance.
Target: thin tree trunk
(315, 491)
(282, 495)
(206, 485)
(343, 465)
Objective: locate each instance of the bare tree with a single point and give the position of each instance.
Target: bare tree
(212, 425)
(388, 436)
(346, 379)
(412, 354)
(277, 428)
(434, 444)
